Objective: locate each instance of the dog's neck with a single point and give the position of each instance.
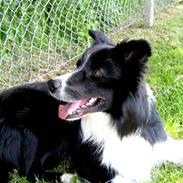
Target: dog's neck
(97, 126)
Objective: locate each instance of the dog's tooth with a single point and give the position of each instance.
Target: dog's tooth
(88, 104)
(92, 100)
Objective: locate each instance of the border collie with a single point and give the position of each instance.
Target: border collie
(115, 135)
(121, 136)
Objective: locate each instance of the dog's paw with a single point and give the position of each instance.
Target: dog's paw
(67, 177)
(120, 179)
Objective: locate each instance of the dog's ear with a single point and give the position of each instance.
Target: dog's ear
(98, 37)
(137, 50)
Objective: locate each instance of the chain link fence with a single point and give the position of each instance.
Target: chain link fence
(37, 36)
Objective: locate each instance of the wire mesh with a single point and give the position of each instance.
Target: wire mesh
(37, 36)
(162, 4)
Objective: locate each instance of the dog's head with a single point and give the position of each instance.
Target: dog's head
(105, 76)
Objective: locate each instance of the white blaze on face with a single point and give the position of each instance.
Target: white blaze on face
(60, 93)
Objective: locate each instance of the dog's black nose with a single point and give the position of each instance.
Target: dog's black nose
(53, 85)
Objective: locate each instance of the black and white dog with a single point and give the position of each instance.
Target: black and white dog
(115, 135)
(121, 134)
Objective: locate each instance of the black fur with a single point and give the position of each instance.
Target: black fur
(32, 138)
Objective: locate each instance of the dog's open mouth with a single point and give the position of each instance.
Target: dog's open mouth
(76, 109)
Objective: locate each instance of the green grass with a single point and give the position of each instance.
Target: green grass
(165, 77)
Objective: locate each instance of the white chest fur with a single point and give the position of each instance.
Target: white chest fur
(131, 156)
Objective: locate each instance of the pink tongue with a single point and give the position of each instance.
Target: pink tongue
(65, 110)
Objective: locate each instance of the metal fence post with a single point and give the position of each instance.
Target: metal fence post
(149, 13)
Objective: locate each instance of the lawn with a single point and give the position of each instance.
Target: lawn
(165, 77)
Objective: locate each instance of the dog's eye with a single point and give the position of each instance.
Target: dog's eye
(98, 73)
(78, 63)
